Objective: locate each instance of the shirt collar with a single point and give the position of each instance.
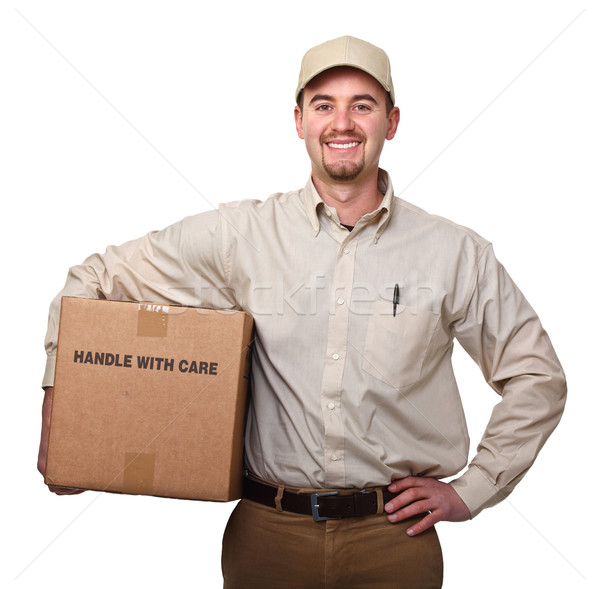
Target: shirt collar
(312, 202)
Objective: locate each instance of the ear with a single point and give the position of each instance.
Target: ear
(298, 118)
(393, 122)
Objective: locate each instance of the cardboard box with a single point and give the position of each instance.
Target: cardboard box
(149, 399)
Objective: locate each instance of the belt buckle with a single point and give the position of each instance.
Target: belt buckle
(315, 506)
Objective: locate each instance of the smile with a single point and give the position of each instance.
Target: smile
(343, 145)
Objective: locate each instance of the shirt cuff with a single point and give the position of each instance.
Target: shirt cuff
(476, 490)
(48, 380)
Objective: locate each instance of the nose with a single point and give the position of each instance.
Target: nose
(342, 120)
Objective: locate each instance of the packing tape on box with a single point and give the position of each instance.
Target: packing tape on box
(138, 478)
(152, 320)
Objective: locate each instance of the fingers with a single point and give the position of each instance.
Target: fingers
(412, 496)
(399, 510)
(427, 522)
(412, 510)
(407, 483)
(417, 495)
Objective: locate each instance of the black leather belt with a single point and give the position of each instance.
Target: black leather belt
(322, 506)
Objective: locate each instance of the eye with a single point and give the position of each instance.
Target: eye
(362, 107)
(323, 107)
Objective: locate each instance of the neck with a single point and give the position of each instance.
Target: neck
(352, 199)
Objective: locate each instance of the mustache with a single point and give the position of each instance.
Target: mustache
(341, 138)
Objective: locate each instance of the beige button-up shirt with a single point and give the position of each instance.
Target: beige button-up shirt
(345, 393)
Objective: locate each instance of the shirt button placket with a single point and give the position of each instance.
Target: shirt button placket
(337, 337)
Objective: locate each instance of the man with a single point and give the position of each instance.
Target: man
(357, 297)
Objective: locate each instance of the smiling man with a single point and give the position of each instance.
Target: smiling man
(357, 298)
(344, 120)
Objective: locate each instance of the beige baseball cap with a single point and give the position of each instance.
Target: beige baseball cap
(348, 51)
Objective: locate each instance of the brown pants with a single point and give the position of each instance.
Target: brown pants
(267, 549)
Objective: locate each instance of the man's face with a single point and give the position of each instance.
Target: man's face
(344, 124)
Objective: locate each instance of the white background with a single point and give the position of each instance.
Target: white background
(121, 117)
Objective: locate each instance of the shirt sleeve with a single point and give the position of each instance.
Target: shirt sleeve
(502, 333)
(180, 265)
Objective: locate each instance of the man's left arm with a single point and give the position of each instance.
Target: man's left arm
(502, 333)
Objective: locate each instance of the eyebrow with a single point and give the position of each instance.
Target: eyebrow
(328, 97)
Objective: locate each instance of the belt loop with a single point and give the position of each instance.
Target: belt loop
(379, 494)
(278, 497)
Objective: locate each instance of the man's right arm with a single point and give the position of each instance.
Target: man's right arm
(179, 265)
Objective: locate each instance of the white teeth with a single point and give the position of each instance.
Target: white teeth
(343, 145)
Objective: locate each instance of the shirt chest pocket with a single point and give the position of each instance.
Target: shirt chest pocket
(395, 347)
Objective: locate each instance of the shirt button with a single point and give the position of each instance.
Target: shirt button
(334, 458)
(346, 250)
(328, 213)
(336, 356)
(340, 301)
(330, 406)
